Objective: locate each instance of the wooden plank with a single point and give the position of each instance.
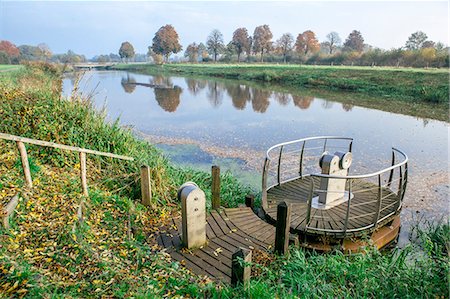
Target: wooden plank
(61, 146)
(209, 231)
(210, 269)
(225, 248)
(215, 228)
(214, 261)
(221, 223)
(146, 187)
(83, 174)
(25, 164)
(188, 264)
(8, 210)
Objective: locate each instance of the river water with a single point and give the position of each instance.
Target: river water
(199, 122)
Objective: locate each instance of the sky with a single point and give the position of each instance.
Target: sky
(99, 27)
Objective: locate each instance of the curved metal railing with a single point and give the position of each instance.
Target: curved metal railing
(297, 159)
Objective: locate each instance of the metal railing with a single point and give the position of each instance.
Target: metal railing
(384, 189)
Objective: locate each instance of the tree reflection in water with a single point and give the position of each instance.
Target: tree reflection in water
(347, 107)
(303, 102)
(215, 93)
(282, 98)
(161, 81)
(195, 86)
(128, 84)
(260, 100)
(239, 95)
(168, 98)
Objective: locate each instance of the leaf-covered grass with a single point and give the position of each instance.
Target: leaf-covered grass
(420, 85)
(49, 252)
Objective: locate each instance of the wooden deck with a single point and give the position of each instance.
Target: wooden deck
(362, 211)
(226, 231)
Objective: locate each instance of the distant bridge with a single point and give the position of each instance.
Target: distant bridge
(90, 66)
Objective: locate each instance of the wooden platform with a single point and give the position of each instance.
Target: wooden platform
(362, 211)
(226, 231)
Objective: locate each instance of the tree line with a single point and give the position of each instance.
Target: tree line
(418, 51)
(260, 46)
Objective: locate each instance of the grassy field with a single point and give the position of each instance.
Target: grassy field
(49, 253)
(9, 67)
(413, 85)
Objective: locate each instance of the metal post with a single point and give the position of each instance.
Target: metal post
(391, 174)
(264, 184)
(347, 214)
(300, 172)
(310, 196)
(380, 194)
(279, 166)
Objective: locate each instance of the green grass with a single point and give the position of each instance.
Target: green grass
(413, 85)
(9, 67)
(49, 253)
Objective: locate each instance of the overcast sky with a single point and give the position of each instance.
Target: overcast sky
(99, 27)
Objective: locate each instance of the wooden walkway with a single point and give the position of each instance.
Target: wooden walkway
(226, 231)
(362, 211)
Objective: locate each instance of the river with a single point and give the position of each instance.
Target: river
(199, 122)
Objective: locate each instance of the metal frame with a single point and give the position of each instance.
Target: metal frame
(381, 188)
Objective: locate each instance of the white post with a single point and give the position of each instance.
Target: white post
(193, 213)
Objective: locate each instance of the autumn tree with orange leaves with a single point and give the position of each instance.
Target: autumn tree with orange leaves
(262, 40)
(307, 43)
(9, 49)
(240, 41)
(166, 41)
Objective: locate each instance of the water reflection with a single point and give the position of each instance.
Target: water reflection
(215, 93)
(347, 107)
(128, 83)
(168, 98)
(195, 86)
(239, 94)
(282, 98)
(260, 100)
(302, 102)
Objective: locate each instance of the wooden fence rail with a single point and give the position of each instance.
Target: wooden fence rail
(83, 151)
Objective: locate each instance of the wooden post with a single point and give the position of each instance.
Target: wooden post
(146, 189)
(193, 215)
(282, 228)
(215, 188)
(83, 173)
(8, 210)
(240, 274)
(250, 201)
(25, 165)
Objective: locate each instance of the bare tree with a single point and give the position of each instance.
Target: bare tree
(285, 44)
(333, 41)
(214, 43)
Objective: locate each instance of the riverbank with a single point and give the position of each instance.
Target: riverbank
(110, 253)
(410, 85)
